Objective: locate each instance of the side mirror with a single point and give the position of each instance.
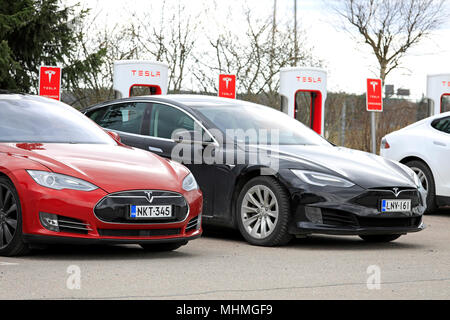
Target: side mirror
(114, 135)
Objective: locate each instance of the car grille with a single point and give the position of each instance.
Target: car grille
(72, 225)
(338, 218)
(115, 208)
(372, 197)
(344, 219)
(138, 233)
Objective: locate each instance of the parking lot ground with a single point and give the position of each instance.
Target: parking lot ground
(221, 265)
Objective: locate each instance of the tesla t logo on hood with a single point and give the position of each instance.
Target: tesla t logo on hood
(396, 193)
(149, 196)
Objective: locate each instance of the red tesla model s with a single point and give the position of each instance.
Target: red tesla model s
(65, 180)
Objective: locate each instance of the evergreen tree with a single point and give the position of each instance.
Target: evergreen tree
(36, 32)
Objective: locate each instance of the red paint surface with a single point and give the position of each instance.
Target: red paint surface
(112, 168)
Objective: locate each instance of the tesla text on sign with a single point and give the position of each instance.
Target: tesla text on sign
(50, 82)
(374, 95)
(227, 86)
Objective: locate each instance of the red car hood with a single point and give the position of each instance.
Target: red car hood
(111, 167)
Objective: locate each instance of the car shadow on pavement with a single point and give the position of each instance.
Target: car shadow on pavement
(443, 212)
(103, 253)
(222, 233)
(349, 243)
(318, 242)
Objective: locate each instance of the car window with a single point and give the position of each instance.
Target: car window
(97, 114)
(281, 129)
(32, 119)
(442, 124)
(125, 117)
(445, 103)
(165, 120)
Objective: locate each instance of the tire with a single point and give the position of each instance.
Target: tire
(11, 238)
(162, 247)
(271, 215)
(380, 238)
(426, 176)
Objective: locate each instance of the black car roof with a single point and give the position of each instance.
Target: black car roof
(182, 100)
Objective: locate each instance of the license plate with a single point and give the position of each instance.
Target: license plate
(149, 212)
(395, 205)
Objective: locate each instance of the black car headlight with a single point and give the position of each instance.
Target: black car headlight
(322, 179)
(60, 181)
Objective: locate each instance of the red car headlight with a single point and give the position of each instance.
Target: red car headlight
(59, 181)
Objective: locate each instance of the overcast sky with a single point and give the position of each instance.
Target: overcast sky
(347, 62)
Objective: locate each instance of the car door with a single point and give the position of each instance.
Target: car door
(441, 153)
(166, 119)
(128, 119)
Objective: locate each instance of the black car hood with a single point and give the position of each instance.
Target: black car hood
(364, 169)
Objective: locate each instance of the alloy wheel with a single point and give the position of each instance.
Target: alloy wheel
(422, 177)
(259, 211)
(8, 216)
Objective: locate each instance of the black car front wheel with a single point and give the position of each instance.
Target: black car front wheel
(380, 238)
(263, 212)
(11, 241)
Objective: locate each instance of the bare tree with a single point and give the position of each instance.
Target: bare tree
(116, 43)
(171, 40)
(391, 27)
(196, 52)
(256, 54)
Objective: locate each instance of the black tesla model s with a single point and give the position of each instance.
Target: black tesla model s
(267, 174)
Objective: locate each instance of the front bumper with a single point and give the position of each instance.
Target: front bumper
(310, 228)
(41, 239)
(351, 211)
(77, 209)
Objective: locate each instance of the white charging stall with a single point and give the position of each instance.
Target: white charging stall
(303, 93)
(132, 74)
(438, 90)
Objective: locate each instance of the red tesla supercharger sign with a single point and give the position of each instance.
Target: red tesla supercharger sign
(50, 82)
(227, 86)
(374, 104)
(374, 95)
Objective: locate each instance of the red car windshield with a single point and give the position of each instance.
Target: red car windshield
(30, 119)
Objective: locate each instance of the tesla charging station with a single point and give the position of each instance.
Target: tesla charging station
(134, 77)
(303, 93)
(438, 91)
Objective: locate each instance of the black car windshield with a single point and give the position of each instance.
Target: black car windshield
(30, 119)
(250, 117)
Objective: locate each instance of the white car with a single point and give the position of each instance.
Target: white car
(425, 147)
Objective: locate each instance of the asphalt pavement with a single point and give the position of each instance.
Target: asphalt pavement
(221, 265)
